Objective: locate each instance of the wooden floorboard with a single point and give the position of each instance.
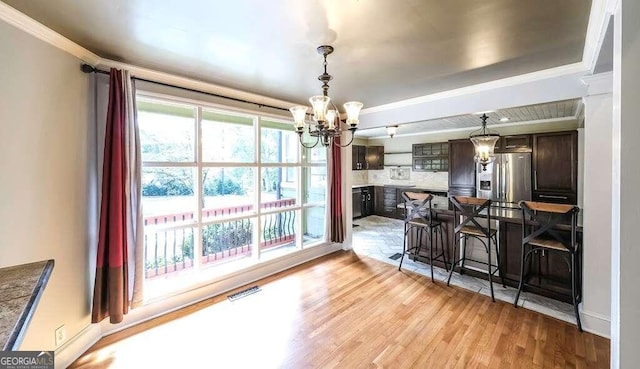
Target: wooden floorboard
(346, 311)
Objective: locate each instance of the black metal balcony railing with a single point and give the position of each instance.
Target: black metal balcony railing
(171, 250)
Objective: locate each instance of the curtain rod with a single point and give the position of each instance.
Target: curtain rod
(86, 68)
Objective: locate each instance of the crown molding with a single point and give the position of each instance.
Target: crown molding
(44, 33)
(483, 87)
(180, 81)
(51, 37)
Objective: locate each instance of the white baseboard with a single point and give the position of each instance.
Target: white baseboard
(77, 345)
(596, 323)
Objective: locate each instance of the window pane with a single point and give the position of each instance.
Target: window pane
(227, 192)
(167, 131)
(279, 187)
(167, 250)
(317, 154)
(278, 233)
(313, 225)
(227, 138)
(227, 241)
(168, 195)
(279, 143)
(315, 184)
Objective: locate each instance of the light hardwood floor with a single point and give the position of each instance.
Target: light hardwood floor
(345, 311)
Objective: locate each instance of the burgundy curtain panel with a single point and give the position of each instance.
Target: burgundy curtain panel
(335, 199)
(110, 294)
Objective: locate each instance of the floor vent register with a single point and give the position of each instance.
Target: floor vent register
(243, 293)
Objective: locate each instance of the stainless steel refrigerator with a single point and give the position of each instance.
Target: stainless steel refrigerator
(507, 180)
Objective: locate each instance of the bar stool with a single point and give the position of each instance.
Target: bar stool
(418, 215)
(468, 209)
(539, 220)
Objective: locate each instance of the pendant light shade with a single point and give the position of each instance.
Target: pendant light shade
(484, 141)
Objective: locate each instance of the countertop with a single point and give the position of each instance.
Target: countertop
(20, 289)
(416, 187)
(440, 205)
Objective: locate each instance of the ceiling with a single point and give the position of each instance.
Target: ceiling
(386, 50)
(531, 114)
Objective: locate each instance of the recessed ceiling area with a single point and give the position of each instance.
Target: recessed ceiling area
(522, 115)
(386, 50)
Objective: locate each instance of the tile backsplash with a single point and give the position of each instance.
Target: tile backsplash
(360, 177)
(431, 180)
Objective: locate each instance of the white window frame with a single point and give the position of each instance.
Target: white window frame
(254, 216)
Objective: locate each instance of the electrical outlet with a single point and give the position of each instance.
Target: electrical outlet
(61, 335)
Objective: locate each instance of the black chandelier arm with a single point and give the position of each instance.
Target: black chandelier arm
(352, 130)
(305, 146)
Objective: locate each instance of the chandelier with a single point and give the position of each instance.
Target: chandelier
(326, 124)
(484, 141)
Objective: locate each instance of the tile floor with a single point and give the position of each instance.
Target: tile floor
(380, 237)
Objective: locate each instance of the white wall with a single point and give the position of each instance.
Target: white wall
(625, 310)
(596, 304)
(47, 156)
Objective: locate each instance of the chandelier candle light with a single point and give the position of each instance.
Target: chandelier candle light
(484, 141)
(326, 125)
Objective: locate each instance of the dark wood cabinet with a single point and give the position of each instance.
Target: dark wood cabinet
(358, 157)
(374, 157)
(389, 202)
(549, 272)
(357, 202)
(367, 201)
(516, 143)
(430, 157)
(378, 201)
(462, 168)
(367, 157)
(511, 250)
(363, 201)
(555, 167)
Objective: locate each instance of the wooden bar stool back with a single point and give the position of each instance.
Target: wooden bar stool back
(419, 217)
(467, 209)
(539, 234)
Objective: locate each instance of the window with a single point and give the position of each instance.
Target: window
(223, 190)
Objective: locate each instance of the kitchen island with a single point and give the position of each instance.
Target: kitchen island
(551, 277)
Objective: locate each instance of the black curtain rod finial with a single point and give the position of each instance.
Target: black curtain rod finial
(86, 68)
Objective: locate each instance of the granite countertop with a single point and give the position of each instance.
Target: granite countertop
(20, 289)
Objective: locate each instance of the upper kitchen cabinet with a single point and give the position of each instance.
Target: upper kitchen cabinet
(555, 167)
(430, 157)
(358, 157)
(518, 143)
(367, 157)
(462, 168)
(374, 157)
